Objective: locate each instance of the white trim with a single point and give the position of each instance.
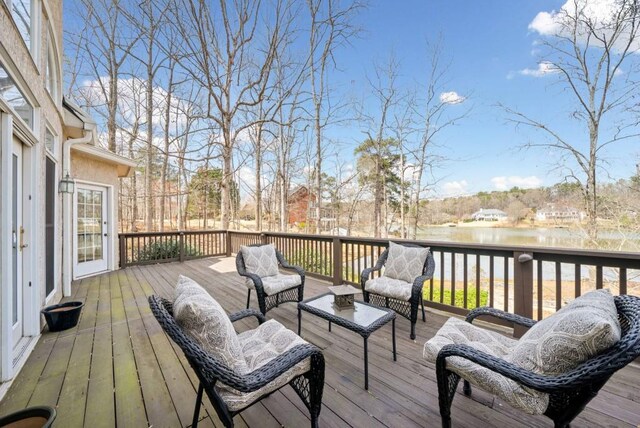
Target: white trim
(56, 230)
(19, 125)
(56, 142)
(31, 164)
(6, 343)
(36, 39)
(109, 251)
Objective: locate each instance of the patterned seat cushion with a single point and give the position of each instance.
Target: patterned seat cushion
(577, 332)
(456, 331)
(261, 346)
(261, 261)
(405, 263)
(202, 318)
(389, 287)
(276, 283)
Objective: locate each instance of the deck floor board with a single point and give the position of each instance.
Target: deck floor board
(117, 367)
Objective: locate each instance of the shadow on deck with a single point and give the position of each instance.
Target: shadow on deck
(117, 367)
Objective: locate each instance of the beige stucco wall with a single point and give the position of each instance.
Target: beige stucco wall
(92, 171)
(29, 73)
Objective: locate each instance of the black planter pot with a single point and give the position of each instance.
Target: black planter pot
(32, 417)
(62, 316)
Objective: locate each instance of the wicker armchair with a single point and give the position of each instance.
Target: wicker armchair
(406, 308)
(570, 392)
(215, 376)
(284, 292)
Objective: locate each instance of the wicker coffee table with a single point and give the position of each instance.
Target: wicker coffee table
(363, 319)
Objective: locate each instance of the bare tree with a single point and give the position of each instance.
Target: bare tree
(231, 60)
(331, 26)
(434, 112)
(593, 56)
(105, 47)
(377, 148)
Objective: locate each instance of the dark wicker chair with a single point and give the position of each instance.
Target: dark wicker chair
(569, 393)
(210, 370)
(408, 309)
(267, 302)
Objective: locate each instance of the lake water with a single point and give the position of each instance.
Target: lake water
(533, 237)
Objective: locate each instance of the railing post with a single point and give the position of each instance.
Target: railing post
(181, 245)
(123, 251)
(263, 238)
(522, 288)
(337, 261)
(228, 242)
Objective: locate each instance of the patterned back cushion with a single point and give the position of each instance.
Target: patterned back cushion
(207, 323)
(579, 331)
(405, 263)
(260, 260)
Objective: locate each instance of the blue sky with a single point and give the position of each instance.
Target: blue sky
(489, 44)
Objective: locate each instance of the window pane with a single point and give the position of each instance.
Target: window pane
(14, 97)
(21, 11)
(49, 141)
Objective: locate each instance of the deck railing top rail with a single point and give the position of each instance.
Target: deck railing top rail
(529, 281)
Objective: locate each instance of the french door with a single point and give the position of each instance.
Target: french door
(17, 243)
(91, 230)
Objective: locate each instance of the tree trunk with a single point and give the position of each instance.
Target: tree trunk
(258, 167)
(377, 200)
(165, 159)
(148, 175)
(318, 183)
(227, 153)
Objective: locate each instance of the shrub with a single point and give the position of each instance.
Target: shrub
(163, 250)
(458, 298)
(312, 261)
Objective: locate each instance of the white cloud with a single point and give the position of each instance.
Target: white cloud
(455, 188)
(600, 13)
(132, 101)
(451, 97)
(506, 183)
(544, 68)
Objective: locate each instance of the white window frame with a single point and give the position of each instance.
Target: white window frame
(57, 286)
(34, 28)
(52, 71)
(53, 152)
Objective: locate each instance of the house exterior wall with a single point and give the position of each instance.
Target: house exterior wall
(29, 74)
(26, 66)
(86, 169)
(298, 205)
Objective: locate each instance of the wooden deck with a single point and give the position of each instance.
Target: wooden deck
(117, 368)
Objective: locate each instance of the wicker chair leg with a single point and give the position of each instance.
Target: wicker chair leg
(316, 386)
(248, 298)
(413, 331)
(447, 383)
(424, 318)
(196, 411)
(466, 388)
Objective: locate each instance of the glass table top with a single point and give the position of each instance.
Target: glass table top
(362, 314)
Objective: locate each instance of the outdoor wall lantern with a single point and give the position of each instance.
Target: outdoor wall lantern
(67, 184)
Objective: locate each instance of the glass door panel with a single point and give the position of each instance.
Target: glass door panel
(91, 230)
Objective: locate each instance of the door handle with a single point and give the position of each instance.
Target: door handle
(22, 244)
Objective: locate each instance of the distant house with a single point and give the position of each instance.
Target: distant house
(560, 214)
(302, 201)
(489, 215)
